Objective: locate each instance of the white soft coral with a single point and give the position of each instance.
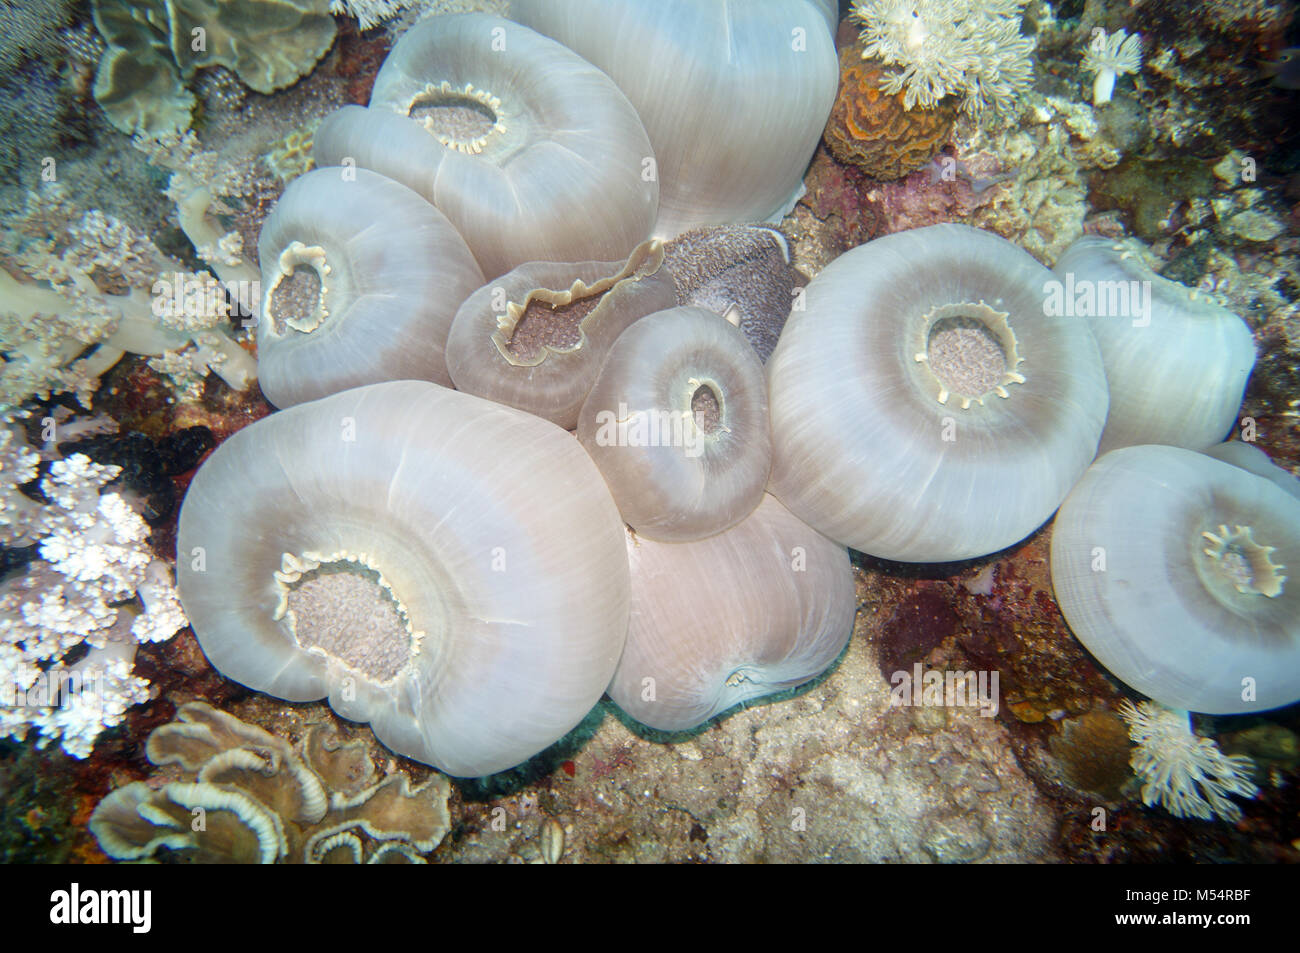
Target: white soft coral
(94, 560)
(1111, 55)
(940, 48)
(1181, 771)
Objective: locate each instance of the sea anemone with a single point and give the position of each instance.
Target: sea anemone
(347, 303)
(924, 408)
(1250, 458)
(677, 422)
(733, 95)
(1171, 568)
(1176, 362)
(493, 605)
(529, 150)
(765, 606)
(536, 337)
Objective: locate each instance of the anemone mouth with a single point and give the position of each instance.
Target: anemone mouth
(970, 352)
(297, 295)
(341, 607)
(702, 401)
(707, 408)
(548, 321)
(460, 117)
(1236, 562)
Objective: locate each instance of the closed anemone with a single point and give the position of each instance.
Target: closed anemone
(1250, 458)
(765, 606)
(533, 153)
(536, 337)
(733, 95)
(677, 421)
(1177, 362)
(361, 280)
(447, 569)
(1174, 569)
(924, 408)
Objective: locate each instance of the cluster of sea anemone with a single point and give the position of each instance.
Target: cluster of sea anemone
(509, 243)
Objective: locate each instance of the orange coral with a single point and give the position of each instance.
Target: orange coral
(871, 129)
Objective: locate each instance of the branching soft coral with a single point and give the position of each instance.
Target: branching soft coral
(940, 48)
(92, 282)
(1181, 771)
(95, 583)
(1111, 55)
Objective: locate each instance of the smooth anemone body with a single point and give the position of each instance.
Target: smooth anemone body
(362, 279)
(1249, 457)
(448, 569)
(924, 408)
(733, 95)
(677, 422)
(532, 153)
(763, 607)
(1177, 363)
(1171, 568)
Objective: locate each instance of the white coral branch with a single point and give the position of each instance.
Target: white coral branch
(974, 51)
(93, 562)
(1181, 771)
(1110, 56)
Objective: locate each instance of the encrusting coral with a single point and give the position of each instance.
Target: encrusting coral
(234, 793)
(154, 45)
(874, 129)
